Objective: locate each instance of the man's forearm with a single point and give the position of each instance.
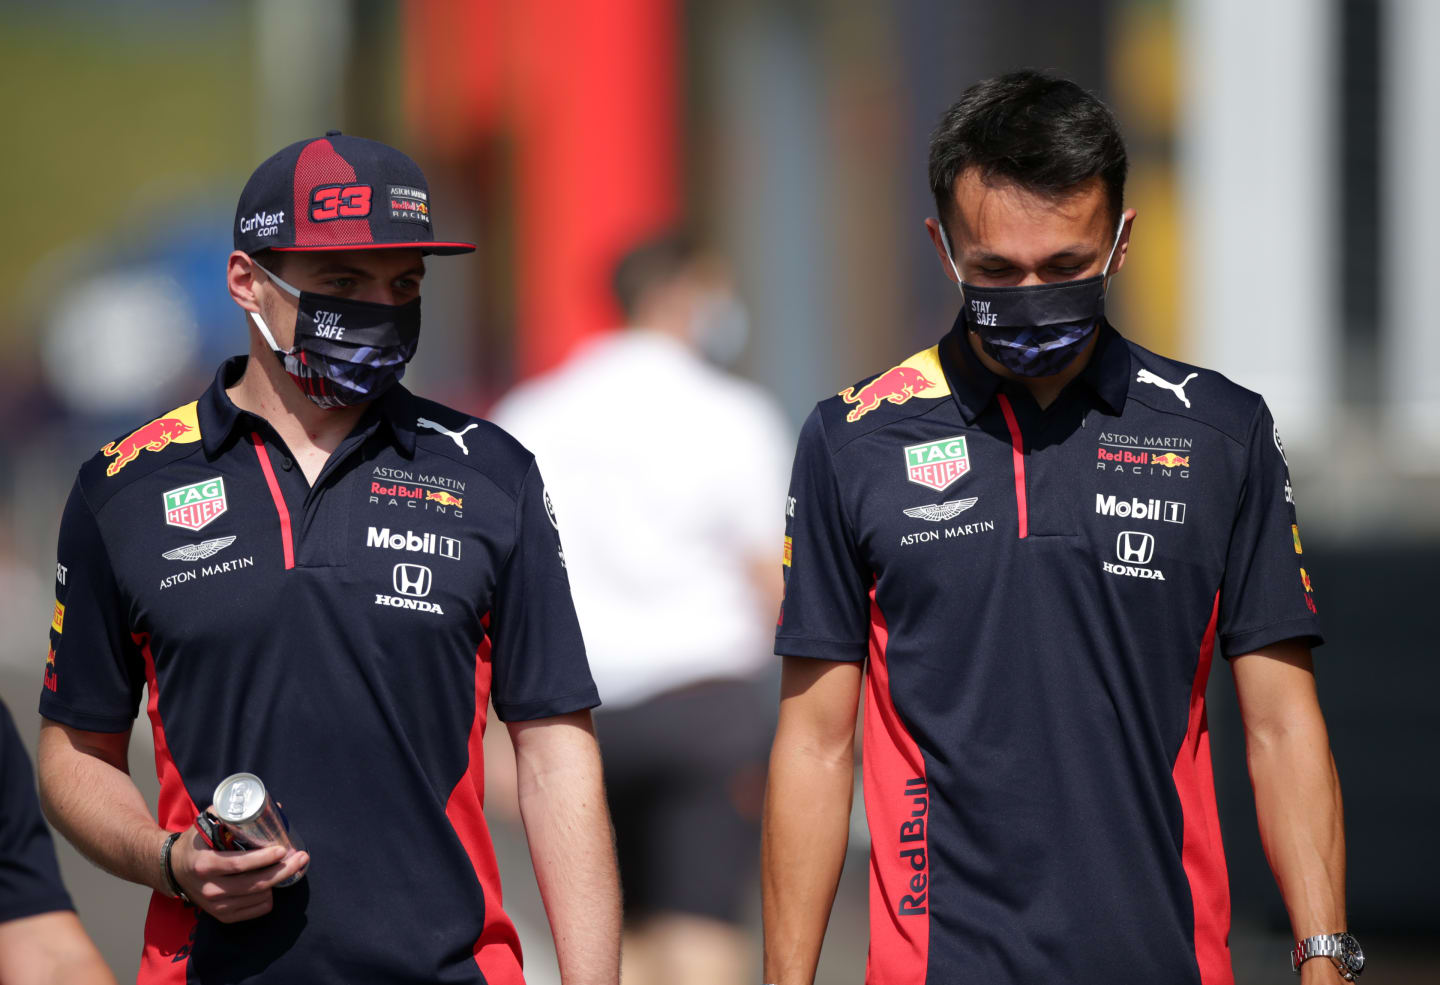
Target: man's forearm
(567, 824)
(99, 810)
(806, 829)
(1297, 801)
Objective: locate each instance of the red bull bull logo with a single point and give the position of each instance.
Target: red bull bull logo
(445, 499)
(1305, 580)
(896, 385)
(1171, 460)
(178, 426)
(51, 681)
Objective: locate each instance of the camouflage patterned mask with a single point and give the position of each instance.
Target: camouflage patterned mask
(346, 352)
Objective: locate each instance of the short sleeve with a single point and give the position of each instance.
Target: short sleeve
(29, 875)
(825, 613)
(538, 656)
(1266, 594)
(94, 674)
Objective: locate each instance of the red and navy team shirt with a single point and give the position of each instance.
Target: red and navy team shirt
(339, 640)
(1038, 596)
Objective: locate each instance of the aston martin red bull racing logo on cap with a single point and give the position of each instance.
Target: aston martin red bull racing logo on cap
(178, 426)
(896, 385)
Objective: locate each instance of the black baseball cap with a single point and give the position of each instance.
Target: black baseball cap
(338, 193)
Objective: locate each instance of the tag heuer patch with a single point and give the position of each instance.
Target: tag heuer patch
(936, 464)
(195, 505)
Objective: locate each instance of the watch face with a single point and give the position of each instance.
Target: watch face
(1351, 953)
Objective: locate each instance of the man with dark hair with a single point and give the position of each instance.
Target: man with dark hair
(667, 471)
(323, 579)
(1037, 620)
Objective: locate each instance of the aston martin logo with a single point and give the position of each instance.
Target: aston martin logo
(200, 551)
(940, 512)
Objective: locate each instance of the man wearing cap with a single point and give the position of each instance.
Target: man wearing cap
(1036, 538)
(322, 579)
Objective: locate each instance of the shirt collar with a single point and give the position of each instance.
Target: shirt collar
(220, 420)
(1107, 374)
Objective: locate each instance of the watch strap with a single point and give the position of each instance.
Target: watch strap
(1321, 946)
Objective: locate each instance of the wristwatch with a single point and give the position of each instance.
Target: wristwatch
(1343, 949)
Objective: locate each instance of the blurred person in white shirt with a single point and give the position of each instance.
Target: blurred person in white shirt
(669, 473)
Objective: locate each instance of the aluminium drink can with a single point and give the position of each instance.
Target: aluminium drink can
(252, 818)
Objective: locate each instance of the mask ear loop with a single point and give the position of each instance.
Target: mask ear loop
(945, 241)
(260, 322)
(1113, 247)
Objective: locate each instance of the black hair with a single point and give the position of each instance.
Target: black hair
(1043, 133)
(651, 264)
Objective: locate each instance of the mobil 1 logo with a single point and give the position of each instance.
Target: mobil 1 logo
(1135, 508)
(427, 543)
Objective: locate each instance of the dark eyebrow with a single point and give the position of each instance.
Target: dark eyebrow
(332, 269)
(1077, 251)
(988, 258)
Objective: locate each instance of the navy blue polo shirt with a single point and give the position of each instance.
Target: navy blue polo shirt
(29, 876)
(340, 641)
(1038, 595)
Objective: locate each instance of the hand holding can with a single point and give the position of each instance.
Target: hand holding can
(251, 819)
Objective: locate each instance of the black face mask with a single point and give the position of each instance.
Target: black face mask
(346, 352)
(1036, 330)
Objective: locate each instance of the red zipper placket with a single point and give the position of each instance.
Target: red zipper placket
(1017, 456)
(286, 542)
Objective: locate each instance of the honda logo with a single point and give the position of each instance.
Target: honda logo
(1134, 547)
(412, 580)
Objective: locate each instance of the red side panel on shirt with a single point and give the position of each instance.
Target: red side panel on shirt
(170, 924)
(897, 802)
(497, 951)
(1203, 855)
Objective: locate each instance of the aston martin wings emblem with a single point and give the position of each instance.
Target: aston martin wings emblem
(939, 512)
(200, 551)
